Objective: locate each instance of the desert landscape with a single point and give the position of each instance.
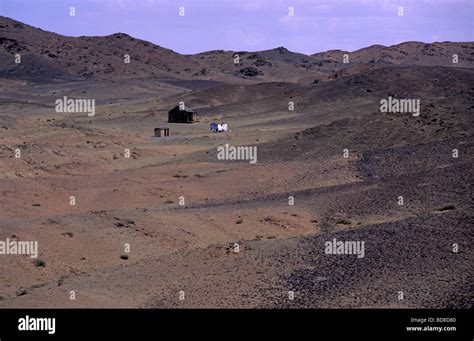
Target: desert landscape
(162, 222)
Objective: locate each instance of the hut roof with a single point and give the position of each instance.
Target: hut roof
(176, 108)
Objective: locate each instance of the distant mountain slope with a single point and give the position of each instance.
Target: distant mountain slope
(446, 107)
(277, 64)
(48, 56)
(408, 53)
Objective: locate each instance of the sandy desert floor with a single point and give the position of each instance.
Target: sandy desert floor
(191, 247)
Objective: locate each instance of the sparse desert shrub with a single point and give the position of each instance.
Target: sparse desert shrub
(61, 280)
(269, 219)
(39, 263)
(343, 221)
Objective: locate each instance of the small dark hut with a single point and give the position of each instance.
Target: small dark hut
(177, 115)
(162, 132)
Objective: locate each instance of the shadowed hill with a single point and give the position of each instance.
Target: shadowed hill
(54, 56)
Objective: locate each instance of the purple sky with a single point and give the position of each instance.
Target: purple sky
(317, 25)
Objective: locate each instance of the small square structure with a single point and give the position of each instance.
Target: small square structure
(162, 132)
